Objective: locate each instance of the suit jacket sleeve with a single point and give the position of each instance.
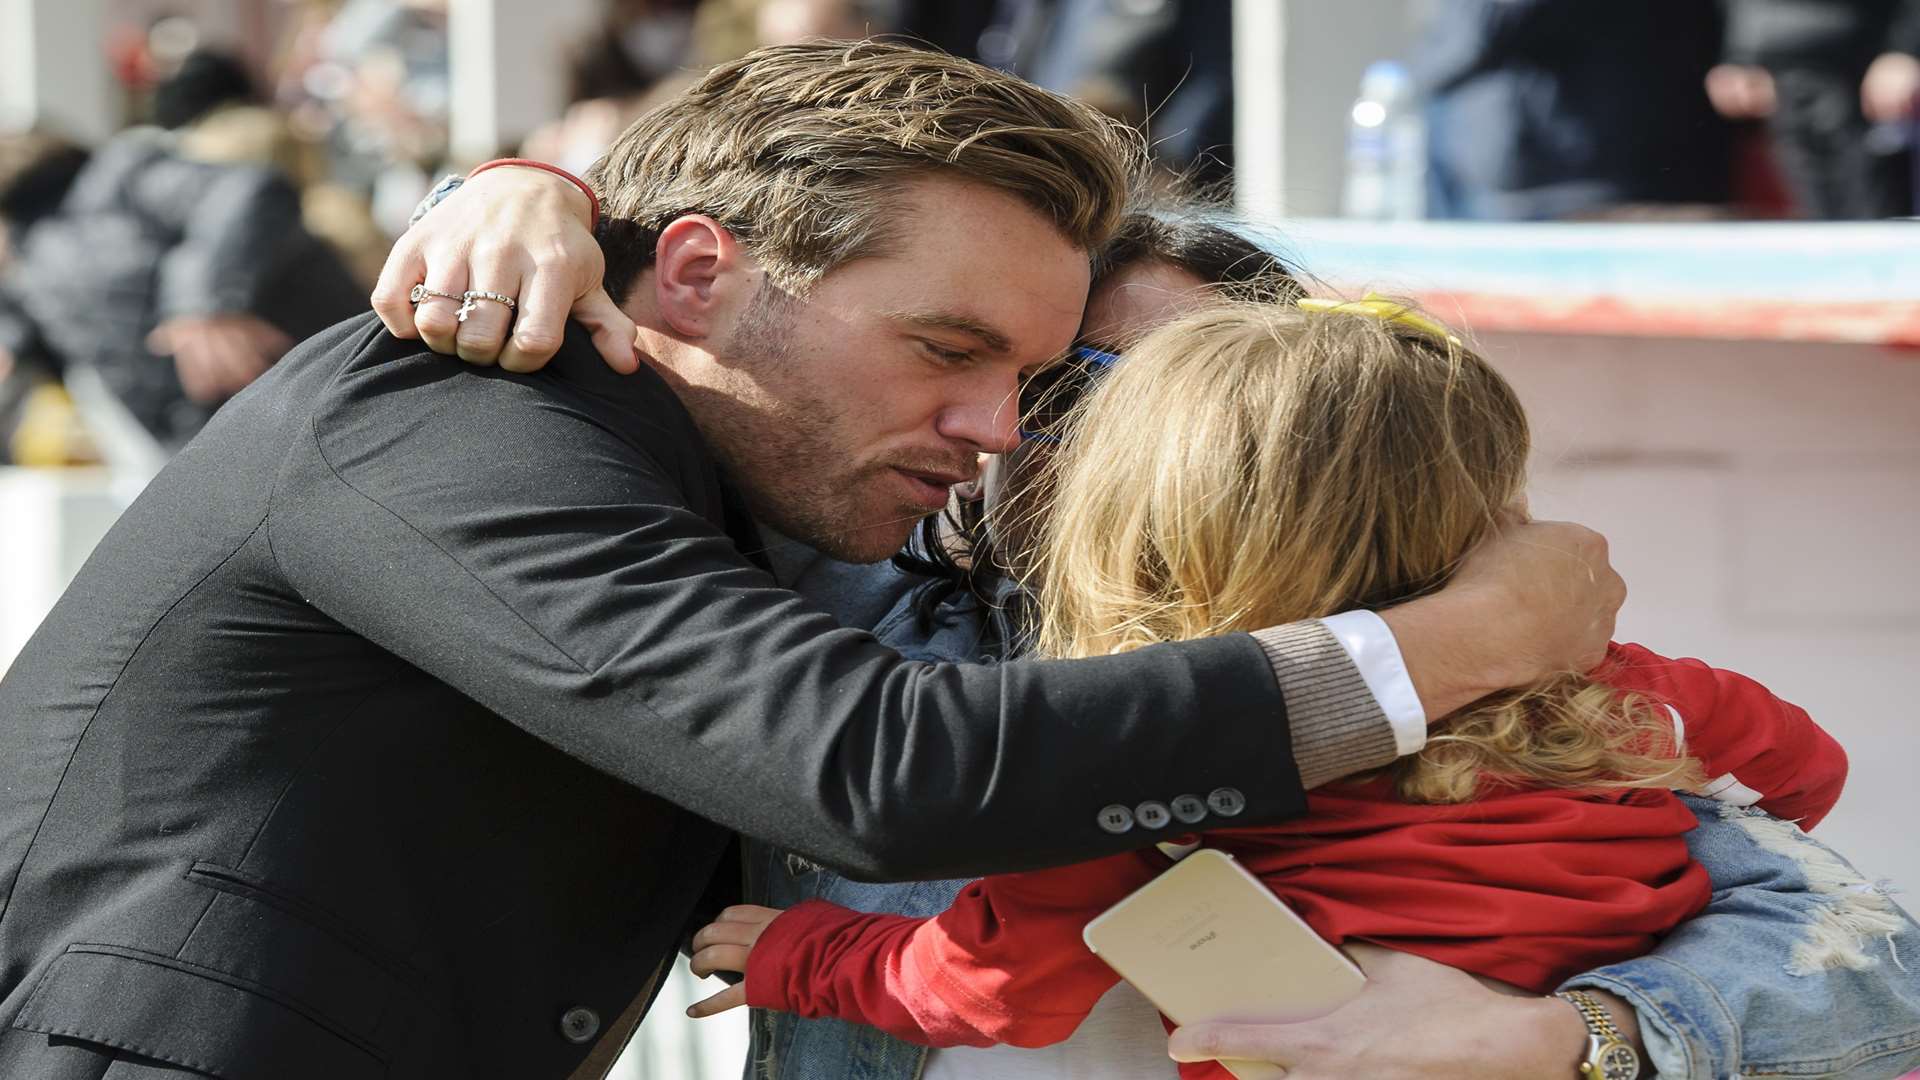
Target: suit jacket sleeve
(1004, 965)
(563, 580)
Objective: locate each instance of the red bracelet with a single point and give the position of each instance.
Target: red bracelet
(592, 199)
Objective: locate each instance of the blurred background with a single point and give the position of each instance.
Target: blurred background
(1675, 224)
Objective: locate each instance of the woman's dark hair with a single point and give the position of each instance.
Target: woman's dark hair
(953, 547)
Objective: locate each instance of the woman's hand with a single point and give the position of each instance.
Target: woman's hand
(726, 944)
(1415, 1020)
(517, 231)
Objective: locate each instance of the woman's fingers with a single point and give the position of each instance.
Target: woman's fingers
(405, 267)
(480, 338)
(540, 323)
(613, 333)
(437, 317)
(731, 998)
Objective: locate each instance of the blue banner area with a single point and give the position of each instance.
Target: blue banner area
(1779, 262)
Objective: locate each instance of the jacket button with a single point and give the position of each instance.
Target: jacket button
(1116, 819)
(1189, 809)
(1227, 802)
(1153, 815)
(579, 1024)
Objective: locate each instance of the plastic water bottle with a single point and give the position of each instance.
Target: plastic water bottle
(1386, 148)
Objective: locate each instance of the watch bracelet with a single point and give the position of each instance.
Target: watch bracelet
(1598, 1019)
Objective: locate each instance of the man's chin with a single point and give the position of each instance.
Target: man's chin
(870, 545)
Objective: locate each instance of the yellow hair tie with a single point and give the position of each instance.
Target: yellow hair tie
(1375, 306)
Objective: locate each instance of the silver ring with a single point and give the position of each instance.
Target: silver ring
(482, 294)
(421, 292)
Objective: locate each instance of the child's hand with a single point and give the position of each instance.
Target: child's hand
(725, 945)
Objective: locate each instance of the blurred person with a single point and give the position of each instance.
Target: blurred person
(36, 423)
(178, 281)
(369, 79)
(218, 114)
(1551, 109)
(1838, 82)
(354, 710)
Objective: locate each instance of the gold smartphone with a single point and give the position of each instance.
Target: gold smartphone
(1207, 942)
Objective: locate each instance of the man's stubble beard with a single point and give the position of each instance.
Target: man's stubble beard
(778, 448)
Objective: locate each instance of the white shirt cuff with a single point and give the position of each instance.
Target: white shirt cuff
(1370, 643)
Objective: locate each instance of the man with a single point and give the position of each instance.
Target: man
(362, 749)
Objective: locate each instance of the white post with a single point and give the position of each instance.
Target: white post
(508, 68)
(1296, 69)
(53, 68)
(1259, 113)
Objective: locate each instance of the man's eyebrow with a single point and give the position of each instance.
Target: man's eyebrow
(948, 320)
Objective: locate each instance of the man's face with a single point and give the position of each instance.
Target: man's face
(845, 417)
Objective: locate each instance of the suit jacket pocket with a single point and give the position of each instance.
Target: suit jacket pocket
(190, 1015)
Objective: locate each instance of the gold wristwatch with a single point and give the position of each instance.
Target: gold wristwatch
(1609, 1057)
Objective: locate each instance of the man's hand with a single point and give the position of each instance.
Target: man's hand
(725, 944)
(218, 355)
(517, 231)
(1534, 600)
(1415, 1020)
(1890, 93)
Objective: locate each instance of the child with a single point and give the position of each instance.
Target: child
(1253, 464)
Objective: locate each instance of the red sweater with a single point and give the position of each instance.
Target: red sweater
(1529, 887)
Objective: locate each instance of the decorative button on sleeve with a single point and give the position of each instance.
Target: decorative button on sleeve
(1227, 802)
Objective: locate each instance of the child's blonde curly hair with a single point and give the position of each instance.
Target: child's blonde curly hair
(1257, 464)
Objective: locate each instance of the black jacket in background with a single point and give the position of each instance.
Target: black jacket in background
(1838, 36)
(146, 235)
(1543, 109)
(396, 728)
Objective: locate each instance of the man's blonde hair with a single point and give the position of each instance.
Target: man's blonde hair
(799, 151)
(1252, 465)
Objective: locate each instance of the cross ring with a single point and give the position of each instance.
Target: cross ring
(421, 292)
(467, 298)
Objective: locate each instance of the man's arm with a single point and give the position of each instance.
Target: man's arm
(572, 590)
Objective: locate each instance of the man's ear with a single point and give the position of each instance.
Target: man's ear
(698, 274)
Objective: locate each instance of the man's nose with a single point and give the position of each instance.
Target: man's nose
(990, 425)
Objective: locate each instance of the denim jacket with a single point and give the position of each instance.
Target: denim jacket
(1798, 967)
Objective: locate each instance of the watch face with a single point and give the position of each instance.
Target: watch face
(1619, 1062)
